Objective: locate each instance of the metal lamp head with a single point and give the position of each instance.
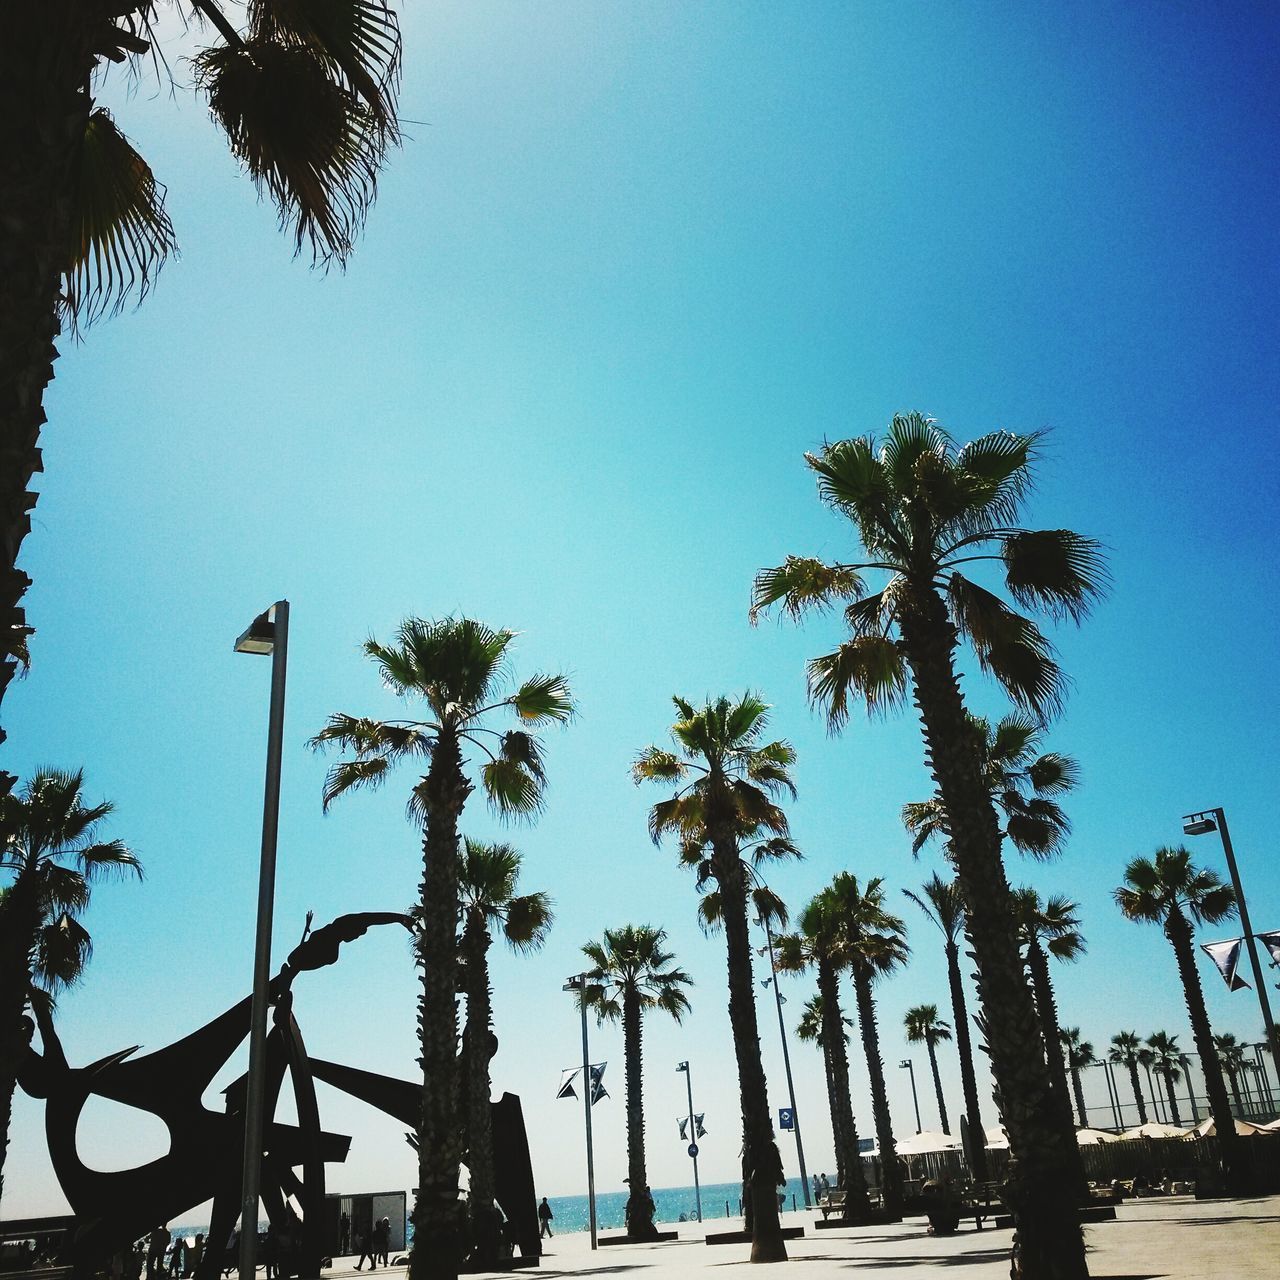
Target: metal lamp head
(1198, 824)
(260, 635)
(906, 1063)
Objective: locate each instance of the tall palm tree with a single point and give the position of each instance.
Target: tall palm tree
(1080, 1054)
(1231, 1057)
(757, 849)
(1167, 889)
(1022, 781)
(943, 906)
(633, 973)
(818, 944)
(488, 903)
(924, 512)
(810, 1030)
(874, 943)
(458, 668)
(1166, 1062)
(924, 1027)
(51, 846)
(726, 776)
(306, 95)
(1126, 1051)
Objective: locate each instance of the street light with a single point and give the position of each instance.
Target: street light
(915, 1101)
(786, 1062)
(578, 983)
(693, 1135)
(1200, 824)
(267, 634)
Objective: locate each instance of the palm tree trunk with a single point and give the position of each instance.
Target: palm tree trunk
(968, 1081)
(640, 1207)
(1136, 1085)
(1235, 1088)
(19, 923)
(857, 1204)
(832, 1104)
(46, 57)
(1041, 1182)
(1191, 1090)
(1234, 1171)
(890, 1171)
(937, 1085)
(1047, 1009)
(1174, 1113)
(762, 1163)
(486, 1227)
(438, 1237)
(1077, 1089)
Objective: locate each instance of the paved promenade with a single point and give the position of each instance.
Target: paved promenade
(1178, 1238)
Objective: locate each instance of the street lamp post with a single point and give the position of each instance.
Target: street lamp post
(915, 1101)
(786, 1062)
(267, 634)
(1199, 824)
(579, 984)
(693, 1136)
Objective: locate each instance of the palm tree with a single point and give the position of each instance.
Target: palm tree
(50, 844)
(874, 943)
(1166, 889)
(632, 973)
(925, 1027)
(1022, 782)
(942, 905)
(818, 944)
(1166, 1062)
(1080, 1054)
(757, 848)
(924, 511)
(458, 668)
(1126, 1051)
(810, 1030)
(488, 877)
(306, 95)
(726, 778)
(1232, 1059)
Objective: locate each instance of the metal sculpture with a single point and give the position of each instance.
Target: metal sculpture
(206, 1147)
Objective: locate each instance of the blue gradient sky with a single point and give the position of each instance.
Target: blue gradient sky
(636, 260)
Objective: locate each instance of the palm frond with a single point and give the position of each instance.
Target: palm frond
(802, 585)
(528, 921)
(543, 699)
(868, 667)
(654, 764)
(121, 233)
(112, 857)
(351, 775)
(1055, 570)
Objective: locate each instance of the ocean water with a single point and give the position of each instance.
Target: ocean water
(671, 1202)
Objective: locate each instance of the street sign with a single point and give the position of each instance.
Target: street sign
(786, 1118)
(693, 1150)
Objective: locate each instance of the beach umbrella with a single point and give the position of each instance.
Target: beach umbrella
(1154, 1129)
(930, 1140)
(996, 1137)
(1206, 1129)
(1092, 1137)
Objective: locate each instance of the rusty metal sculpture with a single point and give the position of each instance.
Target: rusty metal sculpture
(204, 1160)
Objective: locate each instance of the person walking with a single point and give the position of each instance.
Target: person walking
(197, 1252)
(157, 1250)
(364, 1242)
(344, 1235)
(382, 1242)
(544, 1218)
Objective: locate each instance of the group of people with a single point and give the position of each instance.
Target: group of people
(374, 1244)
(821, 1188)
(164, 1256)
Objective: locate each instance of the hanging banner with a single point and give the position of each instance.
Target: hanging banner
(1226, 956)
(566, 1089)
(1272, 943)
(699, 1131)
(598, 1090)
(683, 1126)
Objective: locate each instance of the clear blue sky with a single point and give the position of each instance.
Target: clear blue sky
(634, 260)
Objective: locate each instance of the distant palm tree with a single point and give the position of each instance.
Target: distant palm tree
(874, 942)
(487, 903)
(306, 95)
(1080, 1054)
(925, 511)
(1191, 1089)
(633, 974)
(1231, 1056)
(1166, 889)
(50, 844)
(1126, 1051)
(1166, 1062)
(809, 1029)
(1051, 927)
(1023, 783)
(818, 944)
(925, 1027)
(726, 778)
(458, 668)
(942, 904)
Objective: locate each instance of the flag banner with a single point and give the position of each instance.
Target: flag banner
(1226, 956)
(683, 1126)
(699, 1131)
(786, 1118)
(1272, 943)
(598, 1090)
(567, 1077)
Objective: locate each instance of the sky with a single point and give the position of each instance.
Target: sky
(631, 262)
